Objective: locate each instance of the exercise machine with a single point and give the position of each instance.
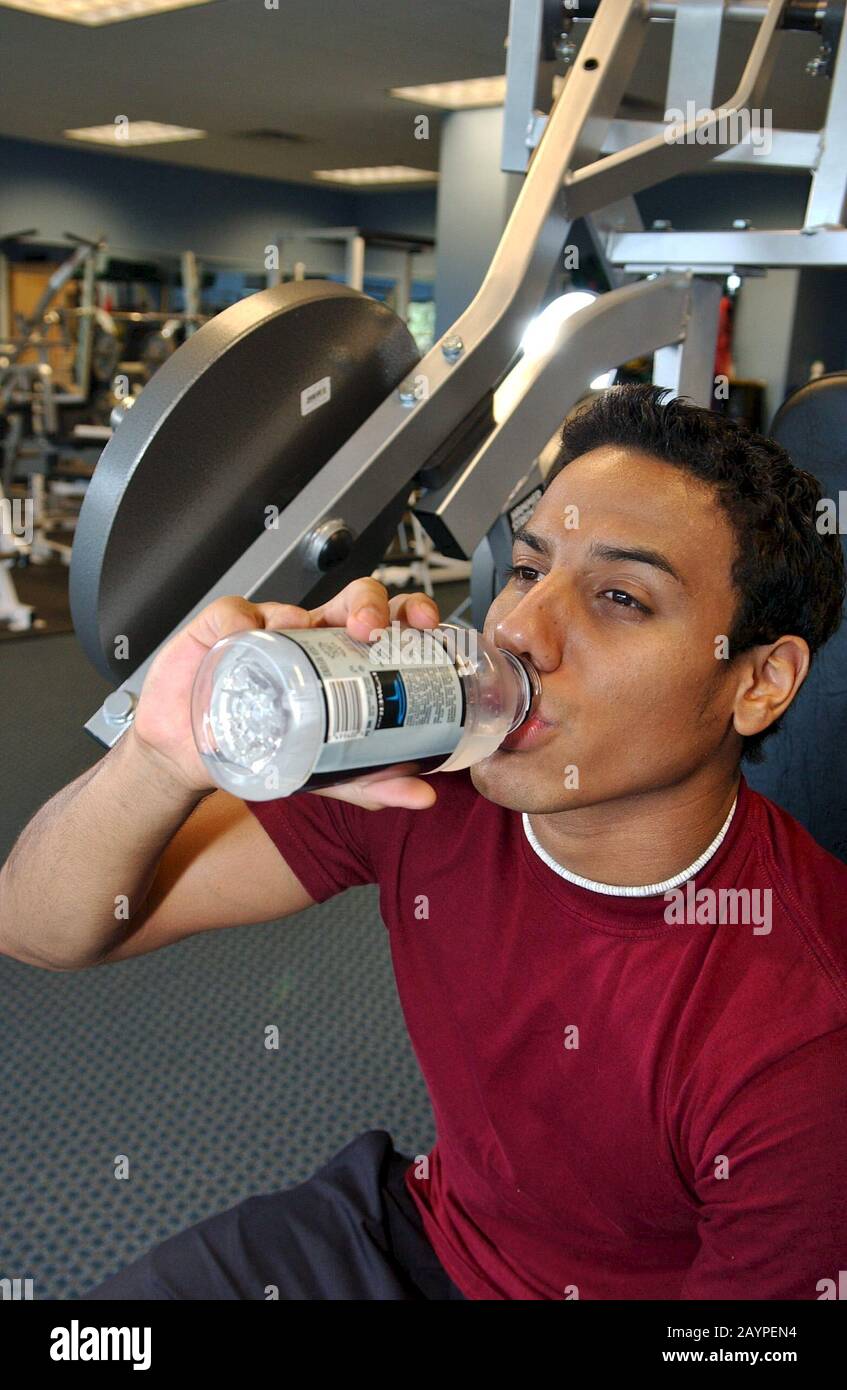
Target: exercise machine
(273, 455)
(356, 241)
(43, 440)
(30, 402)
(31, 339)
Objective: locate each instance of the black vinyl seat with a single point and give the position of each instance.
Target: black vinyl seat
(805, 763)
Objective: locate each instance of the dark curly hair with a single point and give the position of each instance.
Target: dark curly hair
(788, 576)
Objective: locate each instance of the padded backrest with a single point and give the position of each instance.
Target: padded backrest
(805, 767)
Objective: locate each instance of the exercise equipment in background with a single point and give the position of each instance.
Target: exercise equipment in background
(313, 405)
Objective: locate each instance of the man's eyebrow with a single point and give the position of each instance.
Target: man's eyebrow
(639, 554)
(537, 543)
(600, 550)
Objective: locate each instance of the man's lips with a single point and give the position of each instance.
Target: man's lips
(532, 731)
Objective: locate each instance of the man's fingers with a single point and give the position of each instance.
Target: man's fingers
(408, 792)
(411, 793)
(419, 610)
(363, 607)
(281, 615)
(365, 596)
(220, 618)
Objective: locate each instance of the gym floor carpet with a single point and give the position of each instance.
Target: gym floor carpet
(162, 1058)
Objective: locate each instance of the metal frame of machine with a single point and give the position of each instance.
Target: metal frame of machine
(674, 313)
(356, 241)
(31, 386)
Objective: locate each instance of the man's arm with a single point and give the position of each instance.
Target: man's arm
(137, 852)
(126, 860)
(776, 1226)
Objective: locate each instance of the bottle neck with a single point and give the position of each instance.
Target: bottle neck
(530, 689)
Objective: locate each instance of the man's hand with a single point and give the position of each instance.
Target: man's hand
(162, 724)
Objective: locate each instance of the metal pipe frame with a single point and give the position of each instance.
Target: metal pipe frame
(190, 274)
(523, 50)
(5, 308)
(797, 14)
(355, 243)
(32, 330)
(694, 53)
(85, 328)
(719, 253)
(697, 26)
(828, 192)
(790, 149)
(673, 312)
(697, 140)
(565, 180)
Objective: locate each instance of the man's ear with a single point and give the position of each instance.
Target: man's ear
(772, 675)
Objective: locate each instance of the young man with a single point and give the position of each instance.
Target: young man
(624, 973)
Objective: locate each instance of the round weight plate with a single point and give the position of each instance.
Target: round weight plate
(215, 438)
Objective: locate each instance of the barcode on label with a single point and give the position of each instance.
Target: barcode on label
(347, 707)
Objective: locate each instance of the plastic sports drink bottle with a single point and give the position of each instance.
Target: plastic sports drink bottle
(275, 713)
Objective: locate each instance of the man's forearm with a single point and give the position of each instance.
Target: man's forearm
(84, 865)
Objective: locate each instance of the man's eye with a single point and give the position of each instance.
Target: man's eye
(519, 571)
(629, 601)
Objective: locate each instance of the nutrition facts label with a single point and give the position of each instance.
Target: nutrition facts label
(380, 709)
(433, 695)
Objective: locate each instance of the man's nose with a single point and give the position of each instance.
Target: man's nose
(533, 630)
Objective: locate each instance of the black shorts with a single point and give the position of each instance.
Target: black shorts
(351, 1231)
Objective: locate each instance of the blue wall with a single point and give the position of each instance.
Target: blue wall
(146, 207)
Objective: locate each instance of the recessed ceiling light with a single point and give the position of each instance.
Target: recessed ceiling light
(119, 133)
(472, 91)
(98, 11)
(379, 173)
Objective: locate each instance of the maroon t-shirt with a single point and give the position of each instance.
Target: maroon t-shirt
(626, 1107)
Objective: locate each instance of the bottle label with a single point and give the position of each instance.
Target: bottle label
(379, 709)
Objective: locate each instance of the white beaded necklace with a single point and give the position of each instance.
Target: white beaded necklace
(630, 891)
